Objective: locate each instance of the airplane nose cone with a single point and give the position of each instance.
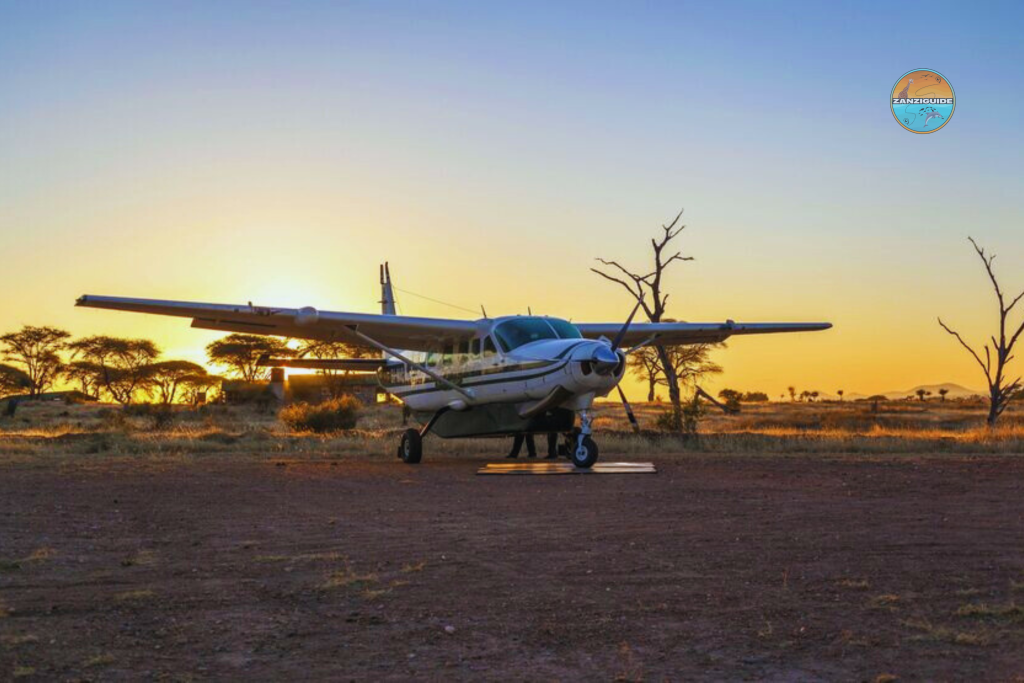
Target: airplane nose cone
(605, 360)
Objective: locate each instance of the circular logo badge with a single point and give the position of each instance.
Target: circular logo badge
(923, 101)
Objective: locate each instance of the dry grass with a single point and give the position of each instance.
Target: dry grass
(1008, 612)
(350, 579)
(15, 641)
(99, 660)
(929, 632)
(887, 602)
(47, 432)
(301, 557)
(134, 596)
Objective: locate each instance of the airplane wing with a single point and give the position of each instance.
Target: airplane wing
(674, 334)
(395, 331)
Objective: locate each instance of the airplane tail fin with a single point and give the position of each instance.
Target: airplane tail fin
(387, 296)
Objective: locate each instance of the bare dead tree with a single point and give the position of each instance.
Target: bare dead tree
(646, 289)
(1000, 390)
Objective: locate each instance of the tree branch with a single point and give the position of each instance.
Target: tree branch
(621, 282)
(966, 346)
(1013, 339)
(677, 257)
(987, 260)
(1014, 303)
(635, 278)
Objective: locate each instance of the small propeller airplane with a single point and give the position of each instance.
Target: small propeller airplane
(468, 378)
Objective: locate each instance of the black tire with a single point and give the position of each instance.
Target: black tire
(585, 454)
(568, 444)
(411, 448)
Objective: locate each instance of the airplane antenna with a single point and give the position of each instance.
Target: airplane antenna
(387, 295)
(529, 311)
(483, 310)
(436, 301)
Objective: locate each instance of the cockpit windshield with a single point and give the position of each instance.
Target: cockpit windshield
(564, 329)
(514, 333)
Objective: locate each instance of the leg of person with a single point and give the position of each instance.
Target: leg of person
(552, 445)
(517, 444)
(531, 446)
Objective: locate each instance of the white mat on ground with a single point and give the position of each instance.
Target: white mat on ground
(556, 467)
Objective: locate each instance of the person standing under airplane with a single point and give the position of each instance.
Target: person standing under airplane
(517, 445)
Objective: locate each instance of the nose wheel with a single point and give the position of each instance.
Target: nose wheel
(584, 455)
(580, 447)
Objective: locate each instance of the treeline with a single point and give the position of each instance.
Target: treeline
(37, 360)
(121, 369)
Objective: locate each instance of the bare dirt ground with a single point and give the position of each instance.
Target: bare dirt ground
(767, 567)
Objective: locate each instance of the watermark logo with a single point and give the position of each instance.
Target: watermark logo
(923, 101)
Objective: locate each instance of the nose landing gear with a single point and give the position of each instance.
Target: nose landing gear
(580, 446)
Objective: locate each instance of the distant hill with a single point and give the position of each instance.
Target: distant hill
(955, 391)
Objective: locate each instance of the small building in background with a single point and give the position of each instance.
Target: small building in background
(317, 388)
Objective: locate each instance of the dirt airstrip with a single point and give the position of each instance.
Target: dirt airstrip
(717, 567)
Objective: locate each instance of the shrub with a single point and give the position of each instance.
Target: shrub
(692, 412)
(666, 421)
(329, 416)
(162, 415)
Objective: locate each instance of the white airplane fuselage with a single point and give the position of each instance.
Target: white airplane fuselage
(521, 376)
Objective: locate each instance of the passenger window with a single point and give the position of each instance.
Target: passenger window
(489, 349)
(474, 347)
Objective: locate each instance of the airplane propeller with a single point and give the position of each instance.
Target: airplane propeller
(625, 328)
(629, 410)
(607, 361)
(619, 338)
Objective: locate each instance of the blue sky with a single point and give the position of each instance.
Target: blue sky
(492, 150)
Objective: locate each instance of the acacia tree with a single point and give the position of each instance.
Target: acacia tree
(123, 366)
(169, 376)
(241, 353)
(37, 350)
(326, 350)
(644, 364)
(87, 374)
(646, 289)
(1000, 389)
(942, 393)
(839, 393)
(690, 363)
(13, 380)
(193, 387)
(792, 393)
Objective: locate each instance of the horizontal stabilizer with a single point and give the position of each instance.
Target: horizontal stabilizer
(353, 364)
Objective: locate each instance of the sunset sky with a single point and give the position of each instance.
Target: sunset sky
(278, 151)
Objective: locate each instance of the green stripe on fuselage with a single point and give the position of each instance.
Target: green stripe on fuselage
(497, 380)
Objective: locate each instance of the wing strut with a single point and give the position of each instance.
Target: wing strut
(440, 379)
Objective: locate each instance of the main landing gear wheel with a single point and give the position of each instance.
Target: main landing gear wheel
(584, 455)
(411, 448)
